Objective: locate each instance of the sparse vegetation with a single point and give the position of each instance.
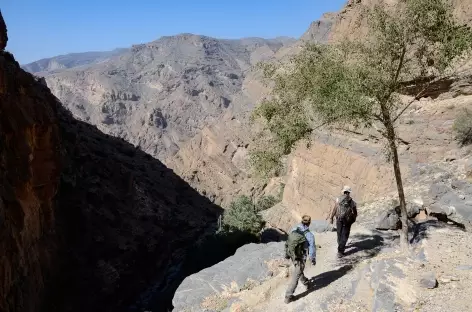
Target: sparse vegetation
(266, 202)
(463, 127)
(242, 215)
(357, 83)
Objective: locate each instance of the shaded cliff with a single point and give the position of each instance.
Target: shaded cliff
(87, 221)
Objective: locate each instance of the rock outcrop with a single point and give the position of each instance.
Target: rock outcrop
(3, 33)
(250, 266)
(87, 221)
(30, 168)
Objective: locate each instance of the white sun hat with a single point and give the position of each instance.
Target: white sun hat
(347, 189)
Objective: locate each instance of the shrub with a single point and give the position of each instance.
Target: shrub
(266, 202)
(242, 215)
(463, 127)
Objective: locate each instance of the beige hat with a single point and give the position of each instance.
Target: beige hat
(347, 189)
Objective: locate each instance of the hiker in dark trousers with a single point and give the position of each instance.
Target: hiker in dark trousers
(345, 211)
(300, 242)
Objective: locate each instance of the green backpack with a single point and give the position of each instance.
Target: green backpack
(294, 246)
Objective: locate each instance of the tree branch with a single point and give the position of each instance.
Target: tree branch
(416, 98)
(399, 68)
(373, 136)
(378, 117)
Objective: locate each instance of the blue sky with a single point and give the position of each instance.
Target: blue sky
(39, 29)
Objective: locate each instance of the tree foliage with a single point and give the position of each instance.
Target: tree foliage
(357, 83)
(243, 216)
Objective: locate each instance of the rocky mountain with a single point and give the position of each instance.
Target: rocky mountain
(87, 221)
(314, 175)
(160, 94)
(52, 64)
(169, 97)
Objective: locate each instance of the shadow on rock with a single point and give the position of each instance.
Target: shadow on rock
(419, 231)
(365, 247)
(324, 279)
(273, 235)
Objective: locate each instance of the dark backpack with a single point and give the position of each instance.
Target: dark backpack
(295, 244)
(345, 211)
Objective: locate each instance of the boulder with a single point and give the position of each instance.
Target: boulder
(437, 190)
(250, 263)
(460, 184)
(388, 220)
(413, 209)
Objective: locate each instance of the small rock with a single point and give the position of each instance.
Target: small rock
(429, 281)
(448, 278)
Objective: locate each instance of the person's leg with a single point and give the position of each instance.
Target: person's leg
(348, 232)
(339, 228)
(297, 274)
(303, 278)
(344, 236)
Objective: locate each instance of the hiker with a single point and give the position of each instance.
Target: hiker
(300, 241)
(345, 211)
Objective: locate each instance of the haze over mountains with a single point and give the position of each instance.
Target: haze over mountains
(158, 95)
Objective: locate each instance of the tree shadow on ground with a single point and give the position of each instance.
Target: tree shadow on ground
(364, 247)
(324, 279)
(419, 231)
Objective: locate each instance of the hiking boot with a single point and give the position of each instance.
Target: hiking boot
(288, 299)
(341, 254)
(308, 285)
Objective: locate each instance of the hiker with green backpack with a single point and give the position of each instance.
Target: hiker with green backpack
(300, 242)
(345, 211)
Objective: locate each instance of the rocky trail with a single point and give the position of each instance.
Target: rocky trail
(332, 279)
(375, 275)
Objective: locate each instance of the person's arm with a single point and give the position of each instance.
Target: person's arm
(311, 246)
(333, 212)
(354, 207)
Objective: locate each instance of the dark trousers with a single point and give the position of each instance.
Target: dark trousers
(344, 229)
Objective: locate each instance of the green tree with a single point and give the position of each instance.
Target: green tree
(242, 215)
(357, 83)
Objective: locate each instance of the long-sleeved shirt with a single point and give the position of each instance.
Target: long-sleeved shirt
(310, 245)
(333, 212)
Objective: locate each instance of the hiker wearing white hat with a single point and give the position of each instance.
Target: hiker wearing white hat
(345, 211)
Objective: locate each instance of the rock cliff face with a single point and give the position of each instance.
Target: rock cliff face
(30, 167)
(350, 22)
(314, 176)
(87, 221)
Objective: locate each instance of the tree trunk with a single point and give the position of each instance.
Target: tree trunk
(391, 136)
